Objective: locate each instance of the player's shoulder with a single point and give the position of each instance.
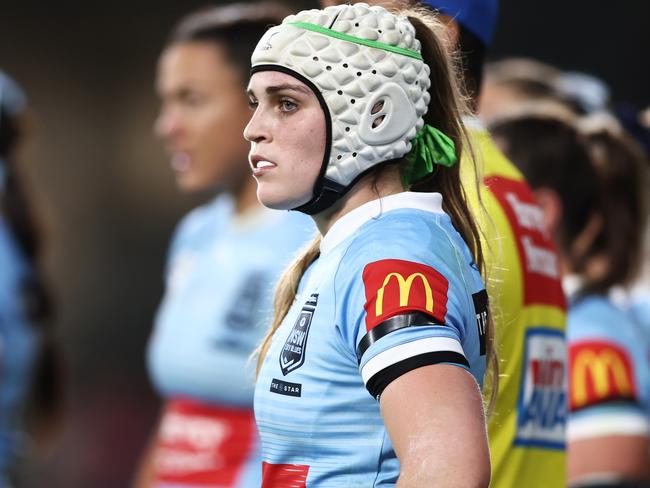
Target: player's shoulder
(402, 233)
(202, 220)
(406, 241)
(607, 348)
(597, 315)
(595, 312)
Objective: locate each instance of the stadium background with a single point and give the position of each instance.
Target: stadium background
(106, 198)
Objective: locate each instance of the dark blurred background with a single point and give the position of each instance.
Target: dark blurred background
(106, 198)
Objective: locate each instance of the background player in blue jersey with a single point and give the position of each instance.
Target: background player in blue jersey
(29, 371)
(223, 261)
(622, 168)
(597, 225)
(370, 374)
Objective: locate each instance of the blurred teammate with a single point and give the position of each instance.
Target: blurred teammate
(622, 168)
(513, 83)
(29, 371)
(224, 258)
(369, 376)
(597, 229)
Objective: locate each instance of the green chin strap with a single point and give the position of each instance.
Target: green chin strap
(429, 148)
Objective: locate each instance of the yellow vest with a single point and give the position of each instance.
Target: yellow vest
(526, 429)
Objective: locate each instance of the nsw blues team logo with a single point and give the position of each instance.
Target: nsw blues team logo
(293, 352)
(542, 408)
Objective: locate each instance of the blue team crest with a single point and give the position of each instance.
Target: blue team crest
(293, 352)
(542, 409)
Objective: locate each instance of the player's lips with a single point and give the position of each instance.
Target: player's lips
(260, 164)
(180, 161)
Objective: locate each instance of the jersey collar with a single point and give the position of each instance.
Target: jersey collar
(350, 222)
(571, 285)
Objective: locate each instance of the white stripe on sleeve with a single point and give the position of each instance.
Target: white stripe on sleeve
(610, 423)
(405, 351)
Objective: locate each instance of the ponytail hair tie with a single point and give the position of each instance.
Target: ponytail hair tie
(429, 148)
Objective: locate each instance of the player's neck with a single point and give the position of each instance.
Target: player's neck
(369, 188)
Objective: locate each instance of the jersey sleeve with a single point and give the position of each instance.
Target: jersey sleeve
(605, 366)
(402, 314)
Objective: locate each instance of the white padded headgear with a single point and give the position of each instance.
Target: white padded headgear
(364, 65)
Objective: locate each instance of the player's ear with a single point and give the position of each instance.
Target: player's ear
(551, 205)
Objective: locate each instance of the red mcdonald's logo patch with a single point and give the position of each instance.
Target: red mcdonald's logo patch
(394, 286)
(599, 371)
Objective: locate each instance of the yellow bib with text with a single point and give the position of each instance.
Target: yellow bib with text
(527, 428)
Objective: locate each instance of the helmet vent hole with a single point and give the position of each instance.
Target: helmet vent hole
(378, 121)
(358, 73)
(377, 107)
(352, 101)
(328, 68)
(340, 92)
(315, 58)
(357, 24)
(374, 71)
(347, 129)
(379, 31)
(354, 155)
(338, 157)
(345, 65)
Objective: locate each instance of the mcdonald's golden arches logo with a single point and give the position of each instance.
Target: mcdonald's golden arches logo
(599, 371)
(395, 286)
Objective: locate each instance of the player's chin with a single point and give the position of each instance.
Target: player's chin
(193, 180)
(276, 198)
(188, 182)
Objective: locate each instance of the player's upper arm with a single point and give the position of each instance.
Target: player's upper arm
(434, 417)
(608, 428)
(400, 311)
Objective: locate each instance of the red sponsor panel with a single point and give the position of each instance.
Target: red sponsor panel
(599, 371)
(203, 445)
(537, 255)
(284, 475)
(394, 286)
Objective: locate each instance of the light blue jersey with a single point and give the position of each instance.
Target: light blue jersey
(639, 307)
(217, 305)
(640, 312)
(18, 347)
(394, 289)
(609, 382)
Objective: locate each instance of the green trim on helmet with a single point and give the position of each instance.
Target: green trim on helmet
(357, 40)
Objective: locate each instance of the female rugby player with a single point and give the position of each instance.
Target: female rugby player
(224, 258)
(370, 373)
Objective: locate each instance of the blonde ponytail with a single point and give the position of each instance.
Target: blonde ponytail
(446, 109)
(285, 294)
